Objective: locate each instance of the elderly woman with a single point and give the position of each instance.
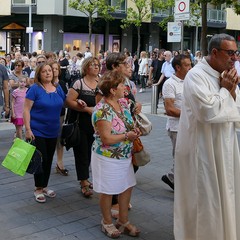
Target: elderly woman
(83, 90)
(42, 108)
(118, 62)
(111, 161)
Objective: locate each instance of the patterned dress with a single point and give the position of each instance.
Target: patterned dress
(111, 165)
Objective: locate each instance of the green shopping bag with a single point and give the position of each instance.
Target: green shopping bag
(18, 157)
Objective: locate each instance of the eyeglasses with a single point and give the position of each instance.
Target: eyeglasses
(230, 52)
(95, 65)
(40, 62)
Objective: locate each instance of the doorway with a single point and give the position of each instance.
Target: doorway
(15, 41)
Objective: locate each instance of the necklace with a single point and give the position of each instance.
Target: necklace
(47, 91)
(92, 89)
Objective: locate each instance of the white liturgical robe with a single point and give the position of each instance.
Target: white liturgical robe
(207, 161)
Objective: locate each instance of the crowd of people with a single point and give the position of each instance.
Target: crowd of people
(202, 102)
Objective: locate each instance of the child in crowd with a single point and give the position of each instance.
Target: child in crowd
(18, 97)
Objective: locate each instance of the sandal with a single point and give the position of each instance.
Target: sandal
(39, 197)
(110, 230)
(49, 193)
(63, 172)
(86, 191)
(90, 185)
(128, 229)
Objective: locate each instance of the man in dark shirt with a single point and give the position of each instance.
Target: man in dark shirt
(156, 66)
(4, 86)
(155, 70)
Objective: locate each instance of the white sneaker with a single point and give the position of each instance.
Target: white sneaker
(141, 90)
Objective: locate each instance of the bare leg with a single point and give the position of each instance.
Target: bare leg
(60, 148)
(19, 131)
(123, 224)
(123, 200)
(105, 202)
(60, 155)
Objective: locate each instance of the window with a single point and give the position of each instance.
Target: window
(23, 2)
(120, 4)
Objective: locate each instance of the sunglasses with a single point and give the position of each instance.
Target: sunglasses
(18, 65)
(40, 62)
(229, 52)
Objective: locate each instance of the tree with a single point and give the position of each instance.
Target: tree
(203, 3)
(142, 12)
(90, 8)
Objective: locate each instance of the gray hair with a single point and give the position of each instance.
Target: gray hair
(217, 39)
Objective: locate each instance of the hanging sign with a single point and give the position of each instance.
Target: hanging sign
(174, 31)
(181, 10)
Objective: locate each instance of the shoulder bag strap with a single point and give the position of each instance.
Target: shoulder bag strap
(69, 110)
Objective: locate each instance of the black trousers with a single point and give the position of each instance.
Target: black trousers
(82, 155)
(47, 147)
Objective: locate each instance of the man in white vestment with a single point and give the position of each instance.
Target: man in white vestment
(207, 160)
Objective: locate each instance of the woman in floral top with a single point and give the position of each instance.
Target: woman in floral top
(111, 161)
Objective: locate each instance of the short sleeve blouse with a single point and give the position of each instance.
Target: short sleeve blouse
(103, 111)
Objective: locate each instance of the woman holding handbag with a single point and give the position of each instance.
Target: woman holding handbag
(83, 91)
(111, 161)
(118, 62)
(42, 108)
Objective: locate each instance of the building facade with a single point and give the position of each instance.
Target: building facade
(50, 25)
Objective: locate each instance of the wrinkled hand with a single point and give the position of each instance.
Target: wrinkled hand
(135, 133)
(229, 79)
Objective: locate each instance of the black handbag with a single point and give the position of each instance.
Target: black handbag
(70, 135)
(67, 75)
(35, 165)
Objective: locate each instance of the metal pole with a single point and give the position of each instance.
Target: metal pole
(196, 42)
(30, 25)
(154, 99)
(182, 38)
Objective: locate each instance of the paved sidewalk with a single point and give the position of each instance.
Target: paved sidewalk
(70, 215)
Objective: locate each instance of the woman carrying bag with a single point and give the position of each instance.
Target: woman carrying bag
(42, 108)
(81, 100)
(111, 161)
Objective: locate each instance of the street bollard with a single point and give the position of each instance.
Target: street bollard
(154, 99)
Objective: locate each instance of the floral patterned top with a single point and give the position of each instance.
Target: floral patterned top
(103, 111)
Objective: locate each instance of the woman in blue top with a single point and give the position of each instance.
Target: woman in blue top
(42, 108)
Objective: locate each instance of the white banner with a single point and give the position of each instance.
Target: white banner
(174, 31)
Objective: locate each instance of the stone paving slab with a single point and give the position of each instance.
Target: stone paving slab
(70, 215)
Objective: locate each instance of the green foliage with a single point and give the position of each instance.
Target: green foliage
(144, 11)
(91, 7)
(164, 22)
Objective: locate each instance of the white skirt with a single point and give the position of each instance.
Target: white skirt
(111, 176)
